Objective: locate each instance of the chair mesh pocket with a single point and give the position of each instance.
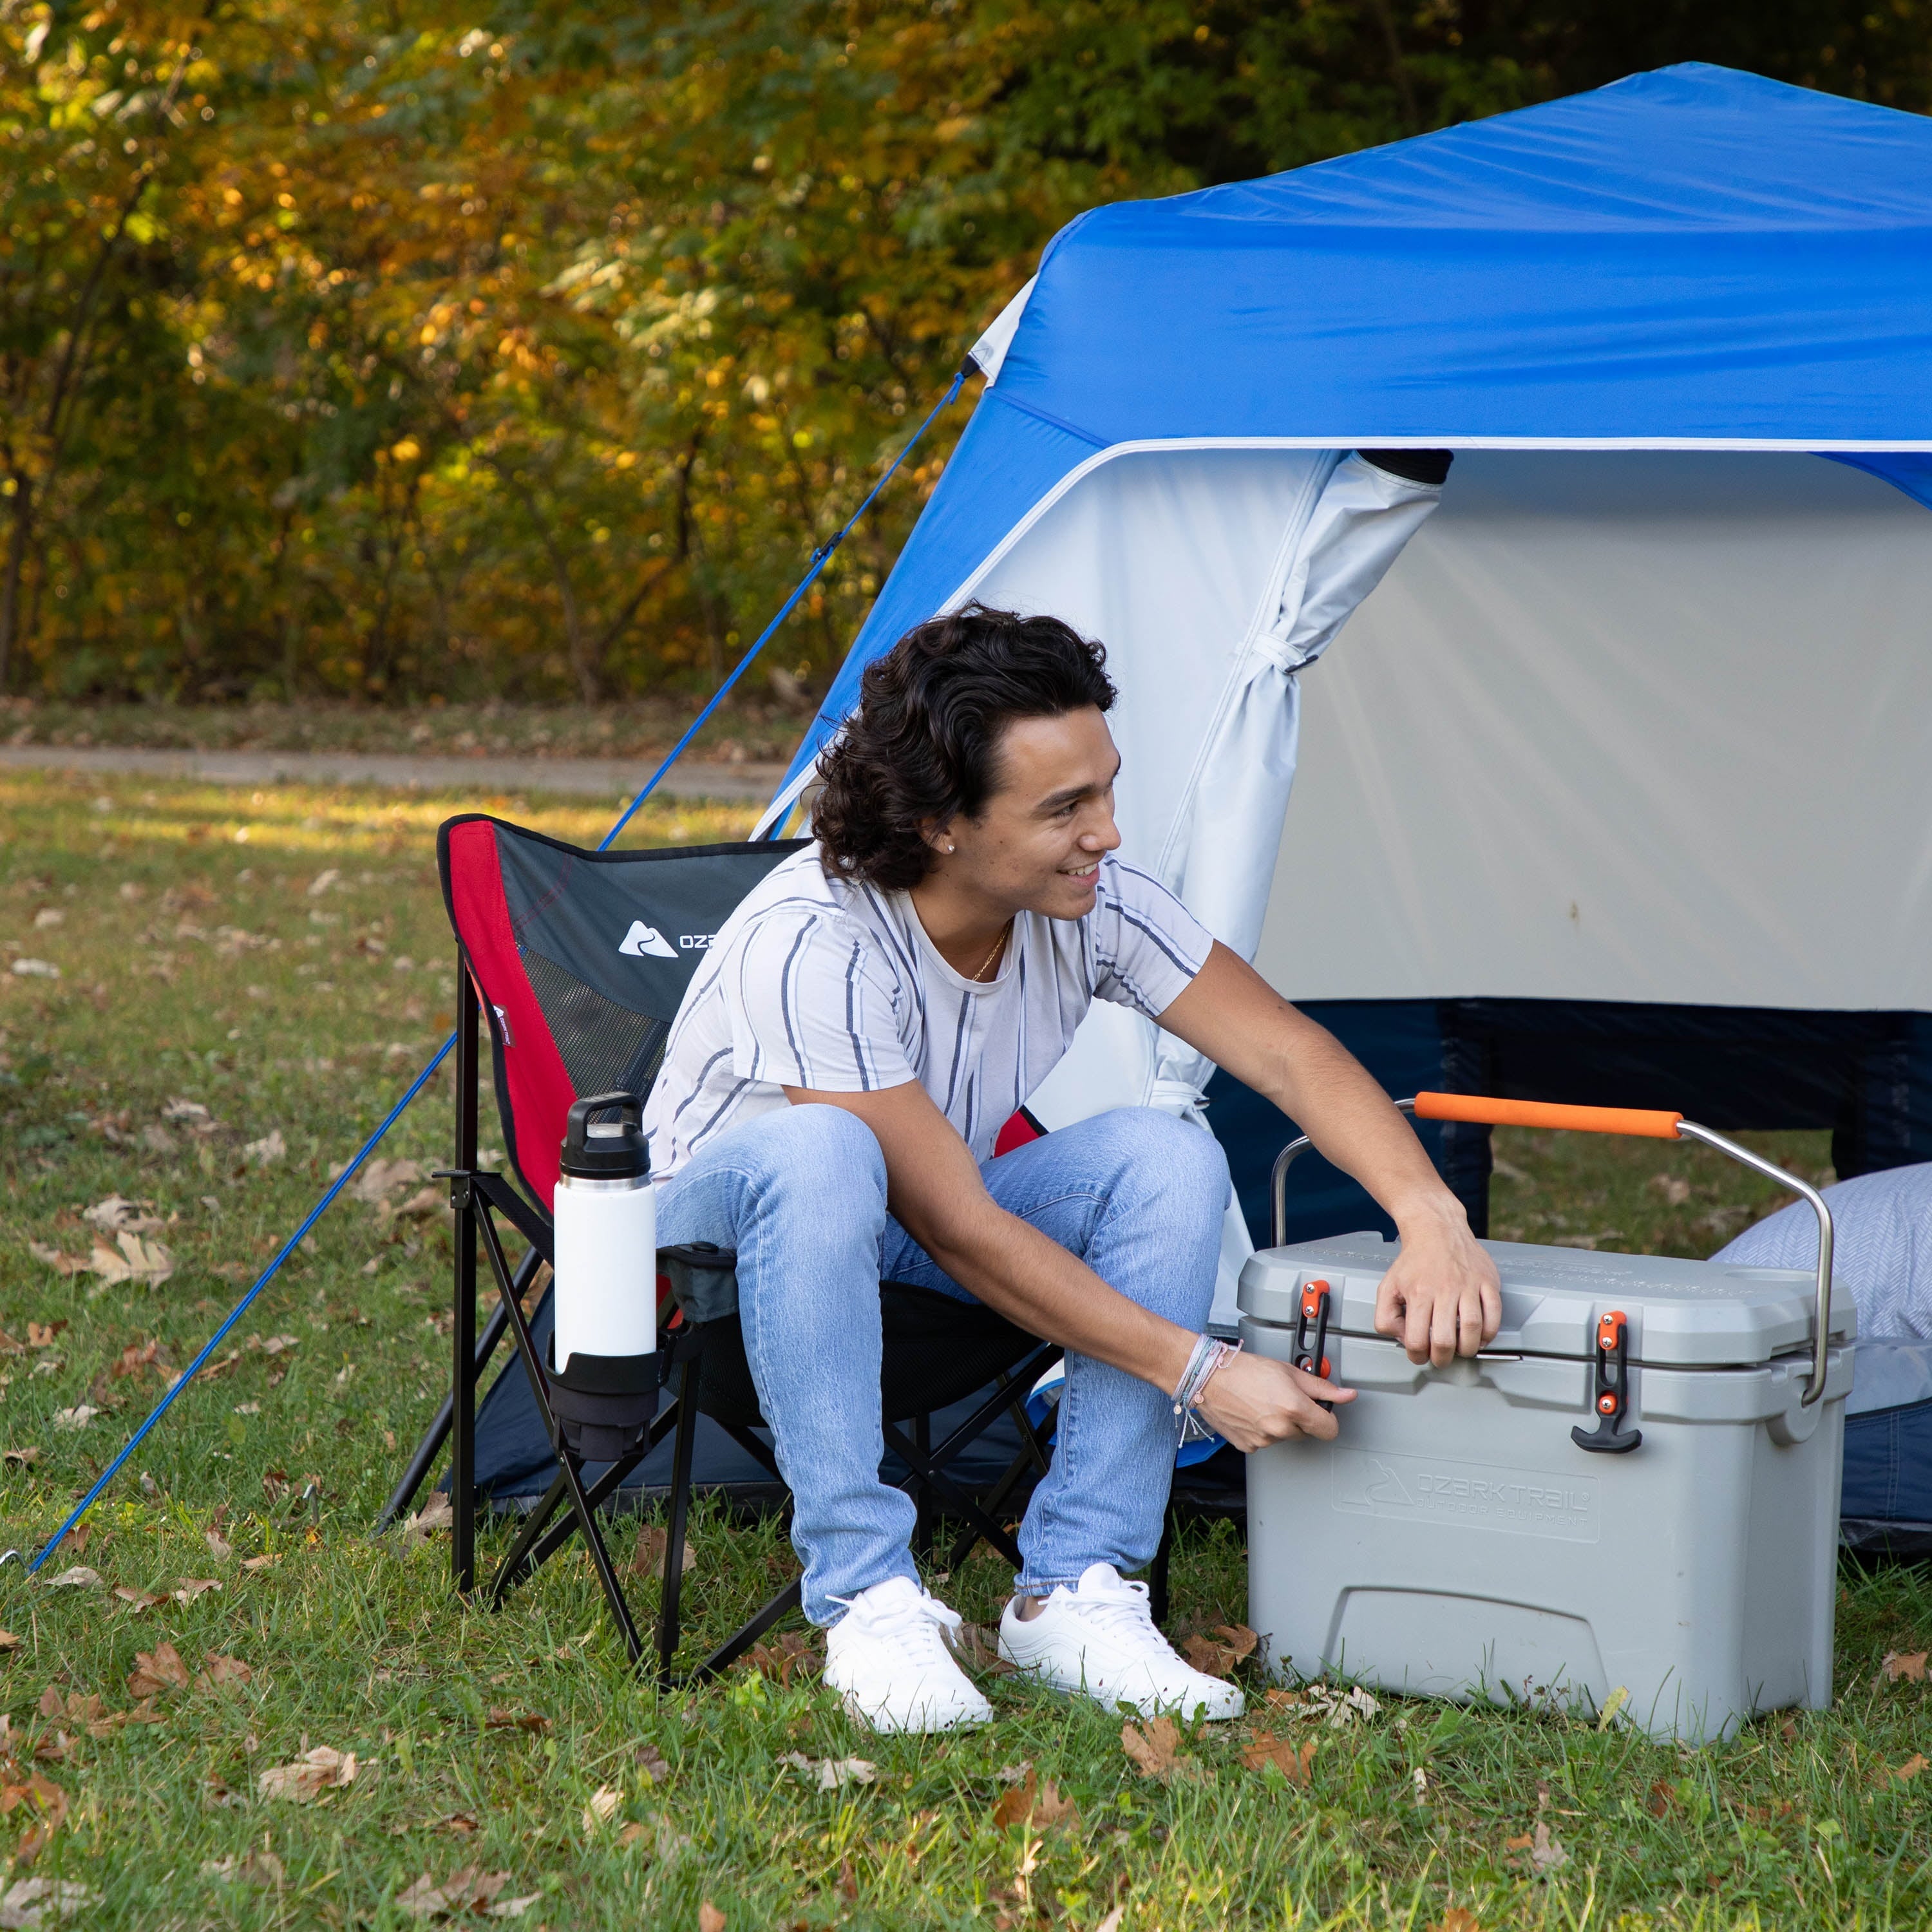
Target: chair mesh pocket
(605, 1046)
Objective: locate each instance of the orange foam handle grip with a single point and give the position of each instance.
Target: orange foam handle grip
(1486, 1112)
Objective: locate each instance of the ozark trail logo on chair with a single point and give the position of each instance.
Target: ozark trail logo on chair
(646, 942)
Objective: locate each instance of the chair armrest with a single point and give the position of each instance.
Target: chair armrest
(704, 1279)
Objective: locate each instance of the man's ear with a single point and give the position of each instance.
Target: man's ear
(938, 835)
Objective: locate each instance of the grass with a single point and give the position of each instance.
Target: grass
(195, 966)
(757, 724)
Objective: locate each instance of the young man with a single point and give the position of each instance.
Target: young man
(865, 1022)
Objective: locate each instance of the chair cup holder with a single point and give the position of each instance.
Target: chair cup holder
(605, 1405)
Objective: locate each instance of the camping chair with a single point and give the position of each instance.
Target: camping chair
(578, 961)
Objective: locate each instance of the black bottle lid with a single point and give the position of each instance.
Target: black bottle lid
(605, 1149)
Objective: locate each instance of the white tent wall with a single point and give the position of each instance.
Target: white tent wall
(1211, 575)
(1630, 726)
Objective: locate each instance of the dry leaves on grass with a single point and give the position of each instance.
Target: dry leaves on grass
(1903, 1774)
(48, 1802)
(501, 1719)
(790, 1650)
(8, 1641)
(1037, 1802)
(978, 1648)
(157, 1670)
(186, 1588)
(1547, 1854)
(315, 1772)
(266, 1151)
(647, 1554)
(471, 1889)
(221, 1671)
(1294, 1764)
(69, 1421)
(1155, 1749)
(20, 1459)
(133, 1257)
(30, 1902)
(832, 1774)
(651, 1764)
(435, 1515)
(1339, 1708)
(262, 1869)
(709, 1919)
(41, 1334)
(602, 1807)
(1216, 1654)
(1904, 1667)
(1457, 1919)
(79, 1577)
(118, 1212)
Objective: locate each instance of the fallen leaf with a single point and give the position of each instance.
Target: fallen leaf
(1294, 1764)
(789, 1651)
(436, 1514)
(78, 1416)
(265, 1152)
(53, 1257)
(156, 1671)
(1457, 1919)
(8, 1641)
(1905, 1773)
(40, 1334)
(649, 1759)
(79, 1577)
(1613, 1704)
(322, 1769)
(118, 1212)
(832, 1774)
(709, 1919)
(189, 1588)
(502, 1719)
(1111, 1923)
(222, 1670)
(219, 1547)
(470, 1889)
(978, 1648)
(647, 1557)
(1546, 1853)
(1902, 1667)
(261, 1868)
(602, 1807)
(514, 1908)
(251, 1564)
(1154, 1746)
(33, 1902)
(20, 1459)
(1039, 1801)
(381, 1177)
(1522, 1844)
(424, 1201)
(138, 1601)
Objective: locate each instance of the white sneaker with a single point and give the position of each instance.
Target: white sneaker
(1100, 1638)
(887, 1657)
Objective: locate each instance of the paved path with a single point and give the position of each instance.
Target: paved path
(601, 778)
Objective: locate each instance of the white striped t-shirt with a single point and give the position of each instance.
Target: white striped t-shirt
(820, 982)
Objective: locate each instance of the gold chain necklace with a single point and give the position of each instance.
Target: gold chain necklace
(998, 942)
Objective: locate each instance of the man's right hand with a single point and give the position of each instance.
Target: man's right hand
(1252, 1402)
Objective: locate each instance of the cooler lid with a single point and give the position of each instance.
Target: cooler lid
(1682, 1314)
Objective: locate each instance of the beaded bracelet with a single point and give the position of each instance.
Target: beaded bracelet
(1207, 1355)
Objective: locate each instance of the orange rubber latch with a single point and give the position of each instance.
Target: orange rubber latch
(1609, 1391)
(1311, 1348)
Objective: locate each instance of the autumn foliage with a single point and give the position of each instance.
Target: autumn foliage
(401, 349)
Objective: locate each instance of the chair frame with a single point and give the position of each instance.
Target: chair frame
(478, 1197)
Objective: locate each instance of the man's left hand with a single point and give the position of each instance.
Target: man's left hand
(1442, 1298)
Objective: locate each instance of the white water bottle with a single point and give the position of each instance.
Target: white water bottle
(604, 1216)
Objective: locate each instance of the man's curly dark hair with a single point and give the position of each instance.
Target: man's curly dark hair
(923, 745)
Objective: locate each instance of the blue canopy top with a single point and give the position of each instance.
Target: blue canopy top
(1694, 258)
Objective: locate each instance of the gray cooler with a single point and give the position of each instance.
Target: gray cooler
(1492, 1530)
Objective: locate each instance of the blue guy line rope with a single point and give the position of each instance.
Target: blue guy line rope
(820, 558)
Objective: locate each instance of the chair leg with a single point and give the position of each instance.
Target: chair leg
(950, 1492)
(728, 1652)
(1157, 1576)
(600, 1557)
(463, 1328)
(680, 1507)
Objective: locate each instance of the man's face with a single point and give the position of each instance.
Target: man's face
(1037, 844)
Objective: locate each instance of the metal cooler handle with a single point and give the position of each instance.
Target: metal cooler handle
(1480, 1111)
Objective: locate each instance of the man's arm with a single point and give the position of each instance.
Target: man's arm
(1442, 1295)
(935, 1191)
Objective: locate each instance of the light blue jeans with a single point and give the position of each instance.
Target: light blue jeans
(800, 1194)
